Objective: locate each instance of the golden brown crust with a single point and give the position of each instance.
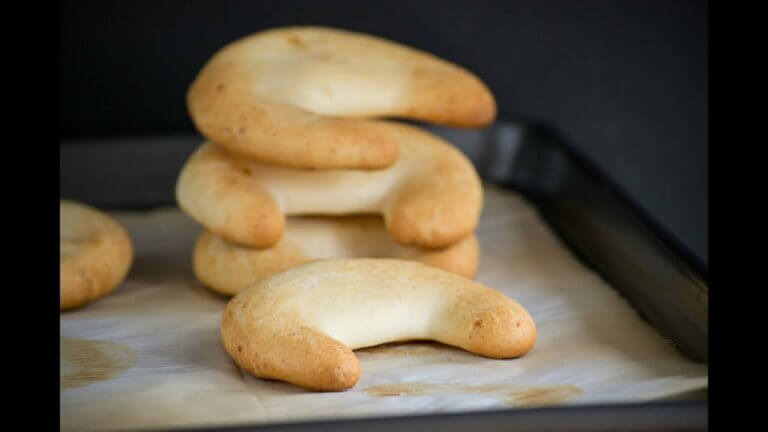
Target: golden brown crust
(301, 97)
(431, 197)
(282, 134)
(461, 258)
(333, 367)
(95, 254)
(215, 189)
(228, 268)
(302, 324)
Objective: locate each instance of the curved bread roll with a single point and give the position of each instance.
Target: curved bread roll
(95, 254)
(431, 197)
(299, 96)
(301, 325)
(228, 268)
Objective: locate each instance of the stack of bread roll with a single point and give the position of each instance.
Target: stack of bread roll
(299, 163)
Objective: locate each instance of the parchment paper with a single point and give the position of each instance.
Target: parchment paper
(148, 355)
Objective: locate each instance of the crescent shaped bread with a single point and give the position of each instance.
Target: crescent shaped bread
(95, 254)
(228, 268)
(301, 325)
(431, 197)
(301, 96)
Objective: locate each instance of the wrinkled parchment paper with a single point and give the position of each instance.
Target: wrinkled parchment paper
(148, 355)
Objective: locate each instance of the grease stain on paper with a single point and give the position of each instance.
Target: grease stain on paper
(406, 349)
(510, 395)
(83, 362)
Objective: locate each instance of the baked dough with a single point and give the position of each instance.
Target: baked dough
(95, 254)
(431, 197)
(228, 268)
(300, 96)
(301, 325)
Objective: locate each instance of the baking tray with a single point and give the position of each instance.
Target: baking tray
(607, 230)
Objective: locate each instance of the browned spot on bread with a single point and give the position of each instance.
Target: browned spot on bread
(296, 41)
(83, 362)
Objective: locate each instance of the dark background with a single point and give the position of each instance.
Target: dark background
(626, 82)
